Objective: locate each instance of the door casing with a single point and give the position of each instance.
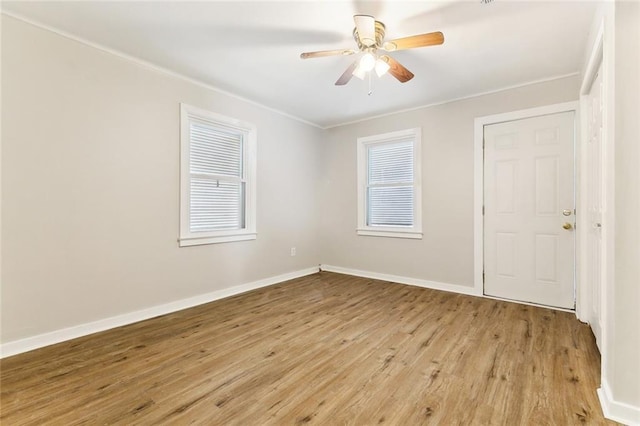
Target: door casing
(593, 207)
(478, 199)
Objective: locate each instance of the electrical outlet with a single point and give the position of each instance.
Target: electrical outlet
(293, 251)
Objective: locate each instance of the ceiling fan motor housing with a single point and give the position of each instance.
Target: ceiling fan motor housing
(379, 31)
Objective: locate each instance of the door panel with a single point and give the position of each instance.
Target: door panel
(528, 185)
(505, 187)
(506, 253)
(546, 259)
(546, 183)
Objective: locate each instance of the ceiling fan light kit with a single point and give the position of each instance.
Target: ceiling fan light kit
(358, 72)
(381, 67)
(369, 36)
(367, 62)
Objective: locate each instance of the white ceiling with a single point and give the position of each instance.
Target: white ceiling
(252, 49)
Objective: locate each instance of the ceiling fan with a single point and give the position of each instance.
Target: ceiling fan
(369, 36)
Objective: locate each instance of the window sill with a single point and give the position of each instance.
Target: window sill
(415, 235)
(197, 241)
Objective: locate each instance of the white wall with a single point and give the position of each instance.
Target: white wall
(90, 188)
(445, 253)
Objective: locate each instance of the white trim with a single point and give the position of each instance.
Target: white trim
(583, 292)
(368, 232)
(30, 343)
(193, 241)
(452, 288)
(595, 59)
(582, 285)
(478, 187)
(520, 302)
(153, 67)
(434, 285)
(528, 113)
(607, 303)
(415, 231)
(188, 114)
(462, 98)
(617, 411)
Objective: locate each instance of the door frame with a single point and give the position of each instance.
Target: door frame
(597, 59)
(584, 301)
(478, 178)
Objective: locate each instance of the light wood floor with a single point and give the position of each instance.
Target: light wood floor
(325, 349)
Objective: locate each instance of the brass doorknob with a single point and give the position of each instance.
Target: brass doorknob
(567, 225)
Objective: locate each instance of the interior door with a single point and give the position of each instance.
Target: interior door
(594, 203)
(529, 252)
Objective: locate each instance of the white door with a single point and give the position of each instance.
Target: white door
(529, 210)
(594, 203)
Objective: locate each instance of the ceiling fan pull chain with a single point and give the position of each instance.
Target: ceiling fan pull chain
(370, 83)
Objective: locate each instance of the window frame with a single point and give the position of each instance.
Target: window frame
(413, 232)
(248, 131)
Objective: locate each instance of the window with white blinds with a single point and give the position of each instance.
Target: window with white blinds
(217, 172)
(389, 185)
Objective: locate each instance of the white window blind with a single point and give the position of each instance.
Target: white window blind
(217, 182)
(217, 178)
(390, 184)
(389, 174)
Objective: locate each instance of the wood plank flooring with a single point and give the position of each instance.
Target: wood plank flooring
(325, 349)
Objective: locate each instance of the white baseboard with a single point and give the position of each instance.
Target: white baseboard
(30, 343)
(617, 411)
(454, 288)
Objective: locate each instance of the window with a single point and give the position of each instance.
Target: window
(217, 178)
(389, 175)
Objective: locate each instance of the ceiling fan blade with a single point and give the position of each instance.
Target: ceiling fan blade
(323, 53)
(346, 76)
(366, 27)
(397, 70)
(420, 40)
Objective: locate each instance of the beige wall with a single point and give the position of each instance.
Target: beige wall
(90, 191)
(445, 254)
(90, 146)
(623, 373)
(620, 386)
